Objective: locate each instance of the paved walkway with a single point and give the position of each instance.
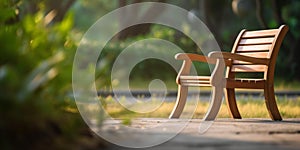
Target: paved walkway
(223, 134)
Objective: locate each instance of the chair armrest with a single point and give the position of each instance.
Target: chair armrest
(200, 58)
(187, 62)
(217, 74)
(195, 57)
(233, 56)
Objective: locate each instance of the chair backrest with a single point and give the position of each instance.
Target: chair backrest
(260, 44)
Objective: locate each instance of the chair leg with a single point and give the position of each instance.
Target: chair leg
(215, 104)
(271, 103)
(231, 103)
(180, 102)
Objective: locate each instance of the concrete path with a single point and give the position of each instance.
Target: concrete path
(223, 134)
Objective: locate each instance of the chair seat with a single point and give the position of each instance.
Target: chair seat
(230, 83)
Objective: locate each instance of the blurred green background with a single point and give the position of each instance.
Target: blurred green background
(39, 39)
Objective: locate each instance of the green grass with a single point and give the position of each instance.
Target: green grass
(284, 85)
(289, 108)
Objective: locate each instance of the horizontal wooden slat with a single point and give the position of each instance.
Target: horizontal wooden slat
(256, 55)
(247, 80)
(248, 84)
(248, 68)
(194, 84)
(256, 41)
(261, 33)
(195, 77)
(254, 48)
(194, 81)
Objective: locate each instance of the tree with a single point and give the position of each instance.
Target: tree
(135, 30)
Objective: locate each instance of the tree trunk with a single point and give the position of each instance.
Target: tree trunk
(213, 10)
(136, 30)
(259, 16)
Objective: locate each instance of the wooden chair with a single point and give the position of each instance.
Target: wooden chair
(253, 51)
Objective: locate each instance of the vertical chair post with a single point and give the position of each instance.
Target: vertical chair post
(182, 90)
(269, 75)
(180, 101)
(231, 103)
(215, 103)
(218, 85)
(271, 102)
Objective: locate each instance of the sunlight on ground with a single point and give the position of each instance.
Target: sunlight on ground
(289, 108)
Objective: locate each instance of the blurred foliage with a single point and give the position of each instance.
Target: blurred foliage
(36, 58)
(146, 70)
(87, 12)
